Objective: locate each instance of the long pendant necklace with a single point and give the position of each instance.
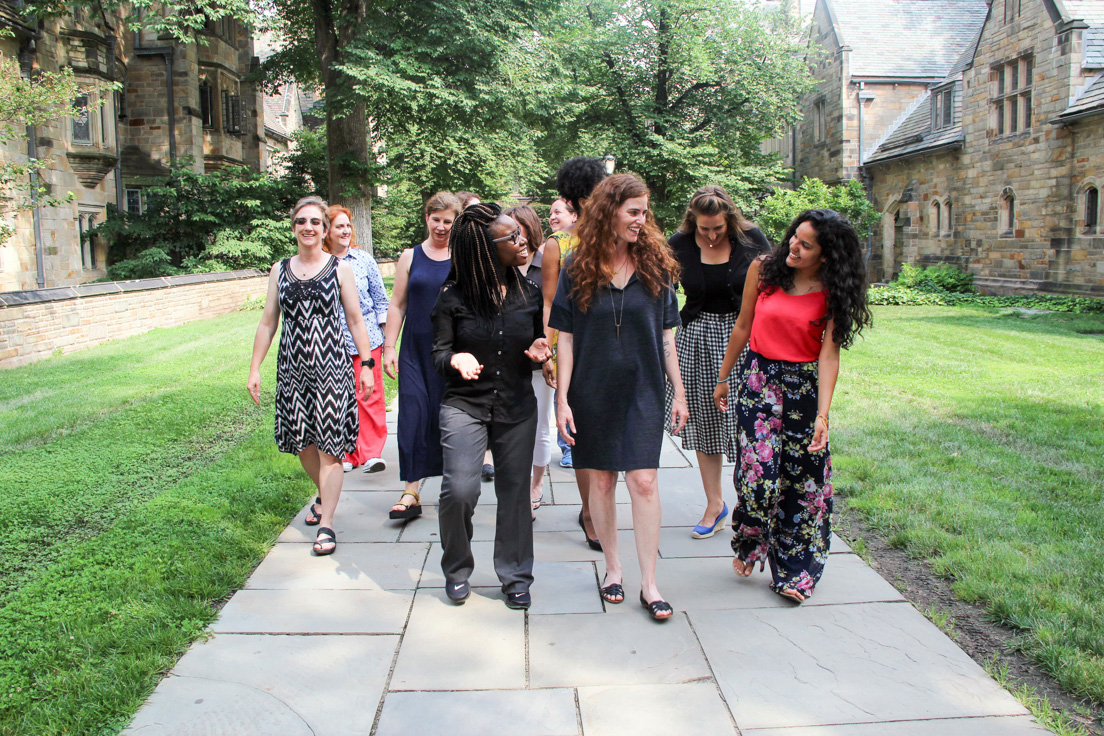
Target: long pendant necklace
(617, 316)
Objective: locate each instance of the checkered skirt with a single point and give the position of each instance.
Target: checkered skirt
(701, 347)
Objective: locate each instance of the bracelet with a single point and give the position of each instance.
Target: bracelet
(725, 380)
(822, 416)
(386, 347)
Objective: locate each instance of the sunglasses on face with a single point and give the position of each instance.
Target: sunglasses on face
(514, 236)
(303, 221)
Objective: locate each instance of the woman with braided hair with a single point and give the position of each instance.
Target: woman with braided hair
(488, 332)
(616, 311)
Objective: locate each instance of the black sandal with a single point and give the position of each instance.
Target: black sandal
(330, 536)
(613, 593)
(661, 610)
(313, 518)
(408, 511)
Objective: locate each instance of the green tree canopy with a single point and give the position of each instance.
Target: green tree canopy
(680, 91)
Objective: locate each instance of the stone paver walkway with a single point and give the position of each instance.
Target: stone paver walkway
(365, 641)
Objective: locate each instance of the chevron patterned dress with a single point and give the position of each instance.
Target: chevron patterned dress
(315, 395)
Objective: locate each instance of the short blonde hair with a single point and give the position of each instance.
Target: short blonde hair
(316, 201)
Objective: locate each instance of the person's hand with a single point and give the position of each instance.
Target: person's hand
(468, 366)
(679, 414)
(254, 386)
(367, 382)
(539, 351)
(548, 370)
(565, 422)
(390, 361)
(720, 396)
(820, 435)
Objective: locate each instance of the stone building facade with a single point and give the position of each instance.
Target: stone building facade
(999, 166)
(978, 129)
(209, 115)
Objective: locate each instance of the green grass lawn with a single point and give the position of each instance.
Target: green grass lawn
(139, 487)
(974, 439)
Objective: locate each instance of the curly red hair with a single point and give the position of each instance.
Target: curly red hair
(592, 262)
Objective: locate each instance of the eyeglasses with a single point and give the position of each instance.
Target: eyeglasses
(514, 236)
(303, 221)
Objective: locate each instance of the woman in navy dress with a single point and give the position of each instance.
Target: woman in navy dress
(419, 274)
(616, 311)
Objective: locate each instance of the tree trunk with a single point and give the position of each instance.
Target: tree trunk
(348, 150)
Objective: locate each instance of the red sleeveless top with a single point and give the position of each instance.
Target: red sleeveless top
(784, 327)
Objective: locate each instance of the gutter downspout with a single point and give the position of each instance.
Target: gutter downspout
(865, 176)
(26, 62)
(167, 52)
(120, 196)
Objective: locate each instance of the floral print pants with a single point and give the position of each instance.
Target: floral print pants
(785, 491)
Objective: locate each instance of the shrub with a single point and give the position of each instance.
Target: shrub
(779, 209)
(942, 276)
(900, 295)
(149, 264)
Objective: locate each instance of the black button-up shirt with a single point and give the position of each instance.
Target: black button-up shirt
(503, 392)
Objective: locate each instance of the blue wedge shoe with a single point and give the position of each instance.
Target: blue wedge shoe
(705, 532)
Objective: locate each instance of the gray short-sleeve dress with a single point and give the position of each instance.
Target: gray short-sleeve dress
(617, 382)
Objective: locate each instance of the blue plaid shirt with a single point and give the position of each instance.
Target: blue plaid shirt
(372, 295)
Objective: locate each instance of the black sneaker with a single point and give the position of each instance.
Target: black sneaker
(520, 600)
(458, 592)
(488, 473)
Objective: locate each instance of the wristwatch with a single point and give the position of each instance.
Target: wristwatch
(371, 363)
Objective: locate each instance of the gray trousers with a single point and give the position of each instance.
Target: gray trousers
(464, 439)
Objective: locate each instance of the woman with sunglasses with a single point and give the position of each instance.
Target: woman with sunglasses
(316, 402)
(488, 331)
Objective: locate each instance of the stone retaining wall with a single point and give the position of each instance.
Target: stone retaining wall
(36, 324)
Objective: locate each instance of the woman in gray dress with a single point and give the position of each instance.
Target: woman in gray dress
(616, 311)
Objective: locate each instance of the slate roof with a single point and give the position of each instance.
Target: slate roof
(913, 135)
(1092, 48)
(1091, 101)
(1090, 11)
(275, 106)
(906, 38)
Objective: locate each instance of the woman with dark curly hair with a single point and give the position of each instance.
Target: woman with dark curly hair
(801, 305)
(715, 246)
(616, 311)
(487, 333)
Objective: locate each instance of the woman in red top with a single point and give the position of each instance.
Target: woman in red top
(801, 304)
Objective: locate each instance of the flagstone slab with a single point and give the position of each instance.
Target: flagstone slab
(360, 517)
(997, 726)
(575, 650)
(315, 612)
(290, 566)
(675, 541)
(820, 665)
(572, 547)
(565, 518)
(384, 480)
(564, 587)
(479, 713)
(708, 583)
(483, 576)
(479, 645)
(237, 684)
(655, 710)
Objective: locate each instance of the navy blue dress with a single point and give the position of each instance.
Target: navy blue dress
(420, 386)
(617, 382)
